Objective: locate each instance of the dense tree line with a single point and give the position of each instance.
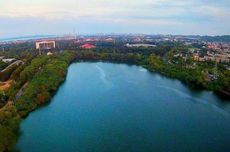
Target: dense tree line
(9, 127)
(6, 73)
(224, 38)
(130, 58)
(17, 51)
(42, 76)
(195, 76)
(3, 65)
(43, 84)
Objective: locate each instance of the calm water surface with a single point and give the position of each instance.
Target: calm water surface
(106, 107)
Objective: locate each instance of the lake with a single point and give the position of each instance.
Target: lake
(107, 107)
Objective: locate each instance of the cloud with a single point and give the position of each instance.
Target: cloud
(119, 8)
(140, 14)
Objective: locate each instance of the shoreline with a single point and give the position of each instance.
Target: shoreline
(76, 63)
(222, 94)
(53, 74)
(46, 100)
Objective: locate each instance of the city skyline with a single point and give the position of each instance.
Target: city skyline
(23, 17)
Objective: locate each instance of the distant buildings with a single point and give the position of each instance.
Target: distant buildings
(109, 40)
(45, 45)
(219, 58)
(88, 46)
(140, 45)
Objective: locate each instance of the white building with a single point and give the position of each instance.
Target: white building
(45, 45)
(140, 45)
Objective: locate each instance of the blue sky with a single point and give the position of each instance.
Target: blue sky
(32, 17)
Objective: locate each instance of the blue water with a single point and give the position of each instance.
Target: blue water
(24, 38)
(106, 107)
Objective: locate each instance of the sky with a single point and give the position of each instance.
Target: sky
(45, 17)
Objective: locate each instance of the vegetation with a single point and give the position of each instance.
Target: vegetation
(195, 74)
(41, 77)
(6, 73)
(3, 65)
(44, 82)
(224, 38)
(9, 127)
(36, 79)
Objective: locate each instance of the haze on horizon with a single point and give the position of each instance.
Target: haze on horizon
(194, 17)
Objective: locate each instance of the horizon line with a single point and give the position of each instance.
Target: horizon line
(112, 33)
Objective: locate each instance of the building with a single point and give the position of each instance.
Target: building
(219, 58)
(88, 46)
(45, 45)
(140, 45)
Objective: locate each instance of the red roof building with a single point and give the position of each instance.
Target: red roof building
(88, 46)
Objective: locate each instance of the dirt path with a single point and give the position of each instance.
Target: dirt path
(5, 85)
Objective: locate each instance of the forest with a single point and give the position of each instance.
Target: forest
(34, 83)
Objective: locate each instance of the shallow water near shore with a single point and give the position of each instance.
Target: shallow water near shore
(105, 107)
